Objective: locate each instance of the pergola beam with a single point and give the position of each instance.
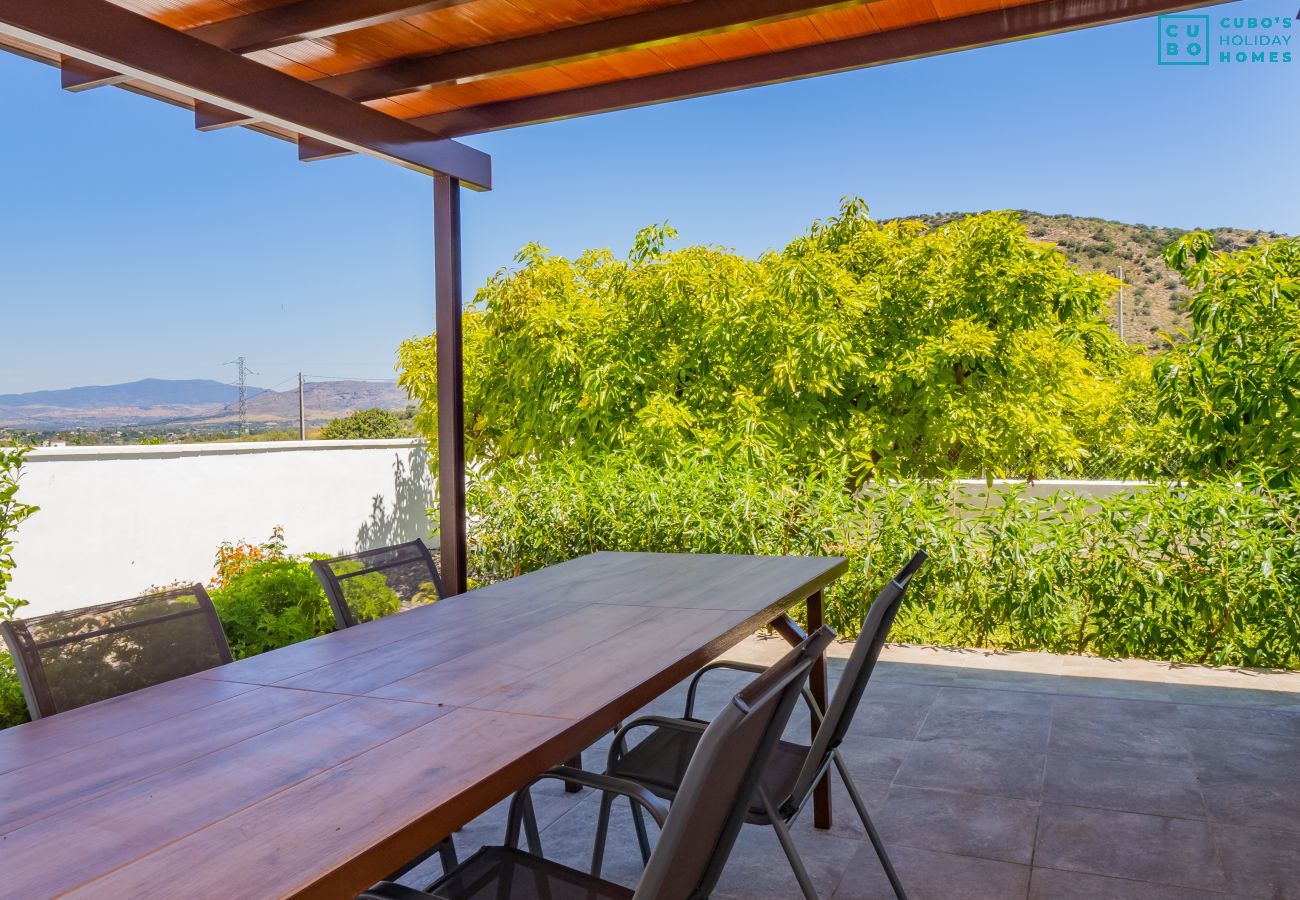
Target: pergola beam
(78, 75)
(967, 32)
(308, 19)
(210, 117)
(594, 39)
(114, 38)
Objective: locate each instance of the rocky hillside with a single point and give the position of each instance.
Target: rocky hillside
(1153, 296)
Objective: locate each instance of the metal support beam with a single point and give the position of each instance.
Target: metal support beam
(210, 117)
(312, 150)
(117, 39)
(308, 19)
(451, 392)
(600, 38)
(78, 75)
(945, 36)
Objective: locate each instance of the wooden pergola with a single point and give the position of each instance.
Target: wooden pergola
(400, 79)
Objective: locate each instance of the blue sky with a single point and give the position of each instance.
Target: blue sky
(132, 246)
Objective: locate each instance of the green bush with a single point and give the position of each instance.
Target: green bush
(272, 604)
(364, 424)
(1206, 573)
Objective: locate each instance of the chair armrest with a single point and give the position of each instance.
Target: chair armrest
(618, 747)
(608, 784)
(752, 668)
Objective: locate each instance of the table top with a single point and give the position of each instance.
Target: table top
(319, 768)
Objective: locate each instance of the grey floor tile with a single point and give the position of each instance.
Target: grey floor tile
(1054, 884)
(877, 758)
(985, 729)
(844, 817)
(758, 869)
(900, 692)
(1260, 863)
(570, 838)
(1157, 789)
(1116, 688)
(1132, 740)
(900, 721)
(1268, 755)
(1031, 702)
(1001, 773)
(1262, 801)
(965, 824)
(1073, 706)
(1162, 850)
(1235, 718)
(926, 875)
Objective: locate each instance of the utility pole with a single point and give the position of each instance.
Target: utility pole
(243, 392)
(1120, 275)
(302, 411)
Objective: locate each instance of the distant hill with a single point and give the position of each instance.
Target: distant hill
(1154, 296)
(151, 392)
(161, 402)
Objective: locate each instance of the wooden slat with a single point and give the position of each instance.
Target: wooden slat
(210, 117)
(933, 37)
(567, 44)
(308, 19)
(310, 787)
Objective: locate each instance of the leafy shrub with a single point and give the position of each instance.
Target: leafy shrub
(364, 424)
(1206, 573)
(272, 603)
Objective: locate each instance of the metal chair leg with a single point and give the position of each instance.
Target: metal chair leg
(602, 831)
(871, 828)
(642, 836)
(791, 852)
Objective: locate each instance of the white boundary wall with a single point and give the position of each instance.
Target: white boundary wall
(114, 521)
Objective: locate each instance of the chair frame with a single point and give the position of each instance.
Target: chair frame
(675, 833)
(333, 584)
(831, 729)
(25, 649)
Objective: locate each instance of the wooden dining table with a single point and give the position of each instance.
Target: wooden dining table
(318, 768)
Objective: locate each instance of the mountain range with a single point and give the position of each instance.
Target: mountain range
(191, 402)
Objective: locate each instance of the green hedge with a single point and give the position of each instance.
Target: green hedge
(1205, 574)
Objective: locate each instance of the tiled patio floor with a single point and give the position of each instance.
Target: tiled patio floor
(1021, 775)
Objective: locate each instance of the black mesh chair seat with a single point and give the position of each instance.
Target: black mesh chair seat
(504, 873)
(72, 658)
(376, 583)
(659, 761)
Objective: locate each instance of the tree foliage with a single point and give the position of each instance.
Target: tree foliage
(364, 424)
(902, 348)
(1233, 388)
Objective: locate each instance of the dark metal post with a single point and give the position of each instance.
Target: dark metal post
(451, 393)
(817, 685)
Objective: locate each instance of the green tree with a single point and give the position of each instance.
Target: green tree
(902, 348)
(364, 424)
(1233, 388)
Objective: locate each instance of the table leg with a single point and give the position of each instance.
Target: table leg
(817, 684)
(576, 762)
